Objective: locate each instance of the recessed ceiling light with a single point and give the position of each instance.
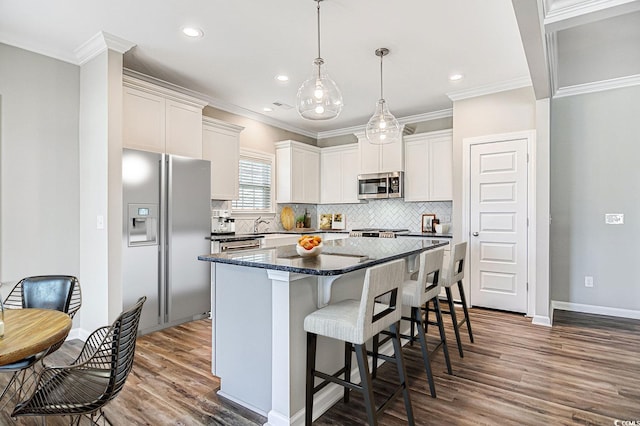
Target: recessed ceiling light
(455, 77)
(267, 109)
(192, 32)
(282, 77)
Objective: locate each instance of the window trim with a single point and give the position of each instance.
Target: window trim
(255, 155)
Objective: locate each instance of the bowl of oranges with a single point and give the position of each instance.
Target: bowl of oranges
(309, 245)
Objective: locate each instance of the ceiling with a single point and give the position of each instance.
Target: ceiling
(247, 43)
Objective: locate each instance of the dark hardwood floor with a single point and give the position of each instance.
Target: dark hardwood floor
(585, 370)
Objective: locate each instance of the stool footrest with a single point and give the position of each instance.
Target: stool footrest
(334, 379)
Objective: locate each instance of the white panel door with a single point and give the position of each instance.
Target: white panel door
(498, 225)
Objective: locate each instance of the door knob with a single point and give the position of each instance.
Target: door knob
(475, 234)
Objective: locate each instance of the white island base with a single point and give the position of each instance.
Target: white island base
(259, 344)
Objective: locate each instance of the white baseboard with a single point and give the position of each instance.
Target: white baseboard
(78, 333)
(541, 320)
(593, 309)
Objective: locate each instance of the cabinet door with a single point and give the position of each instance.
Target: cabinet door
(331, 177)
(369, 156)
(311, 177)
(297, 175)
(441, 169)
(350, 176)
(416, 176)
(143, 124)
(223, 150)
(183, 129)
(391, 158)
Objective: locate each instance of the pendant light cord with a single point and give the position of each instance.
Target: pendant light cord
(381, 93)
(318, 1)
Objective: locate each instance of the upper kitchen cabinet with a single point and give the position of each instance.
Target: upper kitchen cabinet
(380, 158)
(161, 120)
(339, 174)
(297, 173)
(221, 146)
(429, 166)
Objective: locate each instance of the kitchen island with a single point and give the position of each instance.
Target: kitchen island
(259, 300)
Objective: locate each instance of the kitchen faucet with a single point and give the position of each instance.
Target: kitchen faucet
(257, 222)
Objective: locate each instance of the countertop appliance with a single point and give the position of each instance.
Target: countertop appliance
(222, 223)
(381, 185)
(167, 213)
(377, 232)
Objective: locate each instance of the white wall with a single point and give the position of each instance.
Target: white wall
(595, 147)
(39, 198)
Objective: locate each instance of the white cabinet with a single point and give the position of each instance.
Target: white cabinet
(429, 166)
(157, 119)
(379, 158)
(297, 173)
(339, 174)
(221, 146)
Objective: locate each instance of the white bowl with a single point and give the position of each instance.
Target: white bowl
(309, 253)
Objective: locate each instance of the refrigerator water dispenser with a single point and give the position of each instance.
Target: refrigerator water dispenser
(142, 228)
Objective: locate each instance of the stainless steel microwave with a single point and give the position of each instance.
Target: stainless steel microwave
(381, 185)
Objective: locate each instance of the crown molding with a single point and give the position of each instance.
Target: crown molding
(563, 14)
(156, 86)
(98, 44)
(221, 125)
(598, 86)
(409, 119)
(489, 89)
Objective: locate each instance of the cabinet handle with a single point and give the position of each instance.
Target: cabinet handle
(475, 234)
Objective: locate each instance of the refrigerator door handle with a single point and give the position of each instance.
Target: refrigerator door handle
(164, 239)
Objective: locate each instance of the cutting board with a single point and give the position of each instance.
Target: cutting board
(288, 218)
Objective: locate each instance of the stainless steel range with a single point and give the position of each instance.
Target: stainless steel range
(377, 232)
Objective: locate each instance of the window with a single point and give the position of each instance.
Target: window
(255, 183)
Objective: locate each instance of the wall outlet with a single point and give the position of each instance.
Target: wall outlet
(588, 281)
(614, 218)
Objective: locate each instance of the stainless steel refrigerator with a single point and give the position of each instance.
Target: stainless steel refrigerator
(167, 216)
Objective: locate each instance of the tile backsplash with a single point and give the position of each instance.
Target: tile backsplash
(395, 214)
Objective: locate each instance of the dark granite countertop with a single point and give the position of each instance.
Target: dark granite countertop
(338, 256)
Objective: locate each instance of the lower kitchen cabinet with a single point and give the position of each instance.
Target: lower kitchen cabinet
(339, 174)
(429, 166)
(221, 146)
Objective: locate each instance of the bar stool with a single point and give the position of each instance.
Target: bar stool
(417, 294)
(355, 322)
(454, 273)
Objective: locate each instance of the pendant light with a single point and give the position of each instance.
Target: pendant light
(383, 127)
(319, 97)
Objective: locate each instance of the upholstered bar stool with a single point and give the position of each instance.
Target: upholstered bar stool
(355, 322)
(453, 274)
(417, 294)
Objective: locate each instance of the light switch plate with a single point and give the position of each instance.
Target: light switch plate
(614, 218)
(100, 222)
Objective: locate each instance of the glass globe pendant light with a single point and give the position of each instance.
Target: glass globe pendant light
(319, 97)
(383, 127)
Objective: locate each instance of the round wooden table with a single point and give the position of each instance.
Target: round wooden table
(30, 331)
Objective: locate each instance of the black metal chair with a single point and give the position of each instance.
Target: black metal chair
(85, 386)
(59, 292)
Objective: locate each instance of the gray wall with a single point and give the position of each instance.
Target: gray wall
(39, 165)
(595, 148)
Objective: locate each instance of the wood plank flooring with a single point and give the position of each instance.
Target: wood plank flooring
(585, 370)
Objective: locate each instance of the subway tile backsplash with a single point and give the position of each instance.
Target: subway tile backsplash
(396, 214)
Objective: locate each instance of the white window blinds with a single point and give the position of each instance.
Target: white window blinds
(254, 186)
